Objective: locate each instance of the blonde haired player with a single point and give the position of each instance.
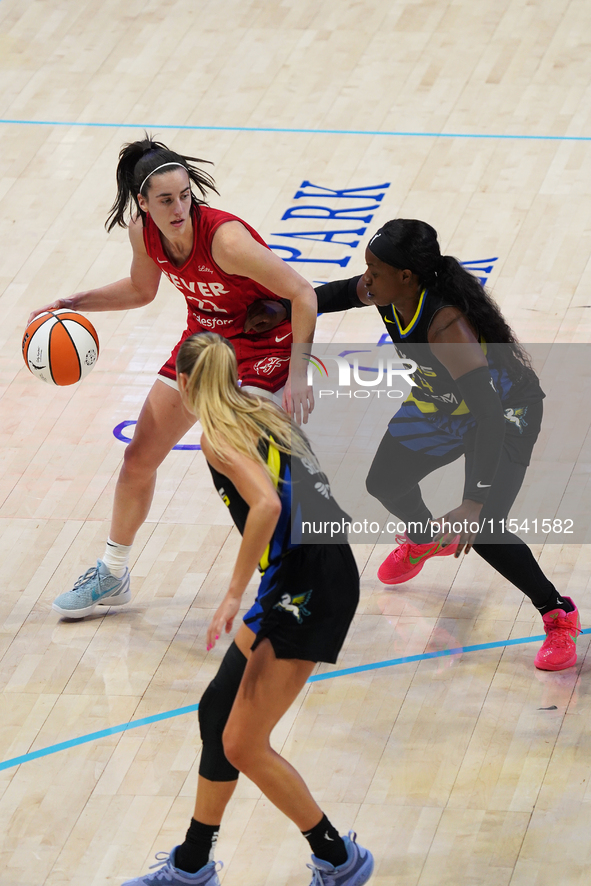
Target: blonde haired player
(246, 442)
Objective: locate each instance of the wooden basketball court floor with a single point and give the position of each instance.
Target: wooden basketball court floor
(466, 767)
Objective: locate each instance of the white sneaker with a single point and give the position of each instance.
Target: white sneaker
(97, 587)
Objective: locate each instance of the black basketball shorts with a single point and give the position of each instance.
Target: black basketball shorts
(306, 603)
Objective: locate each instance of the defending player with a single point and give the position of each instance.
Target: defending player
(305, 603)
(477, 396)
(221, 266)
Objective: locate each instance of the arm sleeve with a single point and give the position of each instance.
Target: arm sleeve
(484, 403)
(338, 296)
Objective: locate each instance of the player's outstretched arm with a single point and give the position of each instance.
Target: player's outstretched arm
(339, 295)
(264, 314)
(134, 291)
(342, 295)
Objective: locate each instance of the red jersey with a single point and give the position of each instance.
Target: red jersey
(218, 302)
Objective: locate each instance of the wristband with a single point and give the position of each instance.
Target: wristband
(341, 295)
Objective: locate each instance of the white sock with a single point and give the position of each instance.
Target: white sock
(116, 558)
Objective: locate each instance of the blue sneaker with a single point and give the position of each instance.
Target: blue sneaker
(354, 872)
(171, 876)
(97, 587)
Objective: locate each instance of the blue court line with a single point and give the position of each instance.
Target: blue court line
(119, 435)
(94, 736)
(190, 709)
(280, 129)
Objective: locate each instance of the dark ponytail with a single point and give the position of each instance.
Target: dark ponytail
(136, 161)
(413, 245)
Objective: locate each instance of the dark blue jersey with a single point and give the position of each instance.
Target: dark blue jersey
(517, 385)
(304, 493)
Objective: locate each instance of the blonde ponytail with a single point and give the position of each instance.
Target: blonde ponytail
(228, 415)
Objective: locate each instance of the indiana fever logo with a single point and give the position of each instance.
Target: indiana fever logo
(269, 365)
(349, 374)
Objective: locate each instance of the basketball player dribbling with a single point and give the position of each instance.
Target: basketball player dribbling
(222, 266)
(304, 606)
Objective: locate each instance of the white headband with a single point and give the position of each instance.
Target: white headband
(172, 163)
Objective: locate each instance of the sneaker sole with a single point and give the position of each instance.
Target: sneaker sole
(119, 600)
(402, 578)
(562, 667)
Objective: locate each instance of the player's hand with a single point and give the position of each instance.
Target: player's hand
(223, 619)
(54, 306)
(298, 398)
(468, 518)
(263, 315)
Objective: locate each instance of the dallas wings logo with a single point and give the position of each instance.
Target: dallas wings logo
(517, 417)
(295, 604)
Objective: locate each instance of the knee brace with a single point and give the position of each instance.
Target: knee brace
(214, 710)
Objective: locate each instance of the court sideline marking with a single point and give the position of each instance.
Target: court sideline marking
(189, 709)
(302, 131)
(124, 727)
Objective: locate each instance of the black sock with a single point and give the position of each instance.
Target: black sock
(199, 845)
(518, 565)
(555, 601)
(326, 843)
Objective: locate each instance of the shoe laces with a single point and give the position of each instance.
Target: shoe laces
(321, 878)
(403, 549)
(90, 573)
(162, 862)
(407, 548)
(327, 878)
(165, 874)
(560, 633)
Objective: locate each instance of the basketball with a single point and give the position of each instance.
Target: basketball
(60, 347)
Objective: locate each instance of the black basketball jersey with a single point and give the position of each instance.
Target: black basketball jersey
(305, 495)
(437, 391)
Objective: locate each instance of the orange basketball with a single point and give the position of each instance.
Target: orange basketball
(60, 347)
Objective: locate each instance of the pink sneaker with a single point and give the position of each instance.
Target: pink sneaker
(408, 559)
(559, 649)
